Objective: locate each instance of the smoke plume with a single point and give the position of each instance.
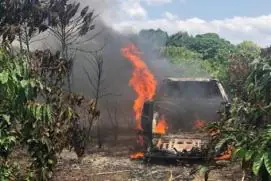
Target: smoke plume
(116, 71)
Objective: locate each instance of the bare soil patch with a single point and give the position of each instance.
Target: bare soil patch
(112, 163)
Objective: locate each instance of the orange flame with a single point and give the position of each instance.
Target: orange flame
(143, 81)
(214, 132)
(199, 124)
(137, 155)
(226, 155)
(161, 127)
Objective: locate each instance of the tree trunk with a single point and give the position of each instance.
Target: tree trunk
(27, 41)
(99, 136)
(21, 41)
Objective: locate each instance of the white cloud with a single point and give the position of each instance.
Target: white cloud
(157, 2)
(170, 16)
(237, 29)
(133, 9)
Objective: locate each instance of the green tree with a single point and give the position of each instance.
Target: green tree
(44, 127)
(188, 61)
(41, 75)
(249, 49)
(178, 54)
(249, 126)
(22, 120)
(209, 45)
(180, 39)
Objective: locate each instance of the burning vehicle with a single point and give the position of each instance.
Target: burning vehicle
(172, 120)
(169, 116)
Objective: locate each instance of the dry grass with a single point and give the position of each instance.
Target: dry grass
(108, 165)
(112, 163)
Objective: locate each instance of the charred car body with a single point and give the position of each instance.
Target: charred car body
(185, 104)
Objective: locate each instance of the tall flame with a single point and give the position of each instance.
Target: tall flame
(142, 81)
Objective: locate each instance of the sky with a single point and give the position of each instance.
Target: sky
(235, 20)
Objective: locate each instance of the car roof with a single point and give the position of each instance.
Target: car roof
(182, 79)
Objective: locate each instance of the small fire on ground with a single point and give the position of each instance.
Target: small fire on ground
(199, 124)
(137, 155)
(226, 155)
(214, 132)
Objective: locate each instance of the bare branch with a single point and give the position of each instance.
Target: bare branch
(91, 62)
(55, 33)
(40, 39)
(89, 78)
(75, 23)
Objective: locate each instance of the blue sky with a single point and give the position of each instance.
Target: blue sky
(235, 20)
(210, 9)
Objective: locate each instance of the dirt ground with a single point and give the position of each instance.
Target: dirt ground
(112, 163)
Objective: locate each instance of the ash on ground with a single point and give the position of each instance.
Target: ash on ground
(109, 164)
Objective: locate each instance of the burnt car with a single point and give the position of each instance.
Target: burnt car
(184, 105)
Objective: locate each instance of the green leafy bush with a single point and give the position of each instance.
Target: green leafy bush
(27, 123)
(248, 127)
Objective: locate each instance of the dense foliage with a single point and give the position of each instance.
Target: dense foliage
(187, 60)
(249, 126)
(23, 120)
(206, 54)
(245, 71)
(37, 114)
